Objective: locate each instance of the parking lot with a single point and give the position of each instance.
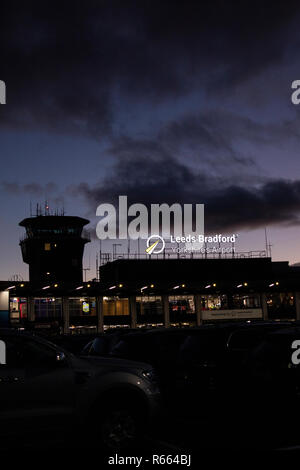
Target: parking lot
(231, 387)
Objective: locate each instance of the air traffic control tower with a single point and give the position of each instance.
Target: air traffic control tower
(53, 247)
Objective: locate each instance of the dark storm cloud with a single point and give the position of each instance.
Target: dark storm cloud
(206, 138)
(219, 130)
(227, 207)
(211, 139)
(71, 67)
(66, 64)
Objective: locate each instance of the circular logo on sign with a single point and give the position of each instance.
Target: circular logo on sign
(155, 245)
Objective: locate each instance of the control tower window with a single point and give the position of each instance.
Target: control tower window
(47, 246)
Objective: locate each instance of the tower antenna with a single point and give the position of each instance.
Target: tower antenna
(266, 242)
(97, 267)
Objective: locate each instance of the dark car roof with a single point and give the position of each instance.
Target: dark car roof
(112, 331)
(284, 333)
(5, 331)
(288, 330)
(220, 330)
(15, 332)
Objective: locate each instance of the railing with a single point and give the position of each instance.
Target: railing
(108, 257)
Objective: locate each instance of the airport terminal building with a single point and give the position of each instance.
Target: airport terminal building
(139, 292)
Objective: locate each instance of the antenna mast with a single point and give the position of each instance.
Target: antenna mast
(266, 242)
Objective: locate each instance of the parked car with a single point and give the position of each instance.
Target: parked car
(270, 396)
(196, 364)
(103, 343)
(158, 347)
(72, 343)
(211, 361)
(113, 399)
(272, 369)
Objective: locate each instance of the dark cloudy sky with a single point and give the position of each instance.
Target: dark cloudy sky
(165, 101)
